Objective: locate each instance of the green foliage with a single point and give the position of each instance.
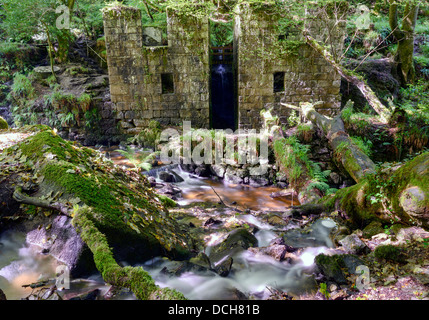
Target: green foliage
(221, 33)
(140, 159)
(148, 137)
(293, 158)
(364, 144)
(22, 87)
(323, 288)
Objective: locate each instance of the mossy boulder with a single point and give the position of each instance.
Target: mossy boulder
(120, 206)
(330, 266)
(3, 124)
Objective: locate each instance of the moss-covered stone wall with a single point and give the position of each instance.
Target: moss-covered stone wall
(136, 71)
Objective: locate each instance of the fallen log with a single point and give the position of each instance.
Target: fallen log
(360, 83)
(399, 194)
(352, 159)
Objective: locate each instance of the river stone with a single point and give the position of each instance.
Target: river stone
(61, 241)
(169, 176)
(201, 260)
(235, 175)
(224, 267)
(353, 244)
(330, 268)
(218, 170)
(256, 181)
(237, 240)
(44, 72)
(351, 262)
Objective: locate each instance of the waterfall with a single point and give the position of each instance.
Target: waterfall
(223, 113)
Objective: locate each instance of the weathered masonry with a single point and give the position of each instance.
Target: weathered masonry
(172, 83)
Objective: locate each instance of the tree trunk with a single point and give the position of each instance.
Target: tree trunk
(405, 37)
(347, 155)
(367, 92)
(398, 195)
(134, 278)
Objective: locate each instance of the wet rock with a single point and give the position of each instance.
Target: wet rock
(218, 170)
(330, 268)
(412, 201)
(177, 268)
(276, 220)
(88, 295)
(235, 175)
(224, 267)
(412, 233)
(237, 240)
(276, 251)
(211, 222)
(351, 262)
(201, 260)
(353, 244)
(170, 190)
(285, 193)
(63, 243)
(170, 176)
(152, 181)
(202, 171)
(258, 181)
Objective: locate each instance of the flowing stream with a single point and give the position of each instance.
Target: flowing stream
(252, 273)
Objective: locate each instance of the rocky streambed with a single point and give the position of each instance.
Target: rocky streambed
(242, 249)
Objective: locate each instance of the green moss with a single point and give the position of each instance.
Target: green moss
(116, 10)
(388, 252)
(134, 278)
(48, 142)
(3, 124)
(167, 202)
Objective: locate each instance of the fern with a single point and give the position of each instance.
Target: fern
(140, 160)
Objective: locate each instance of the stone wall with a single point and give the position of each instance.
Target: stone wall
(307, 76)
(186, 59)
(123, 33)
(136, 72)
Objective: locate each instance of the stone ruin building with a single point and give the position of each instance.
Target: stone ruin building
(176, 81)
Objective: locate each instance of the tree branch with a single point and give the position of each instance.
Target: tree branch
(20, 197)
(367, 92)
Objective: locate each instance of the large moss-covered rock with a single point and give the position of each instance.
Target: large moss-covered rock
(49, 172)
